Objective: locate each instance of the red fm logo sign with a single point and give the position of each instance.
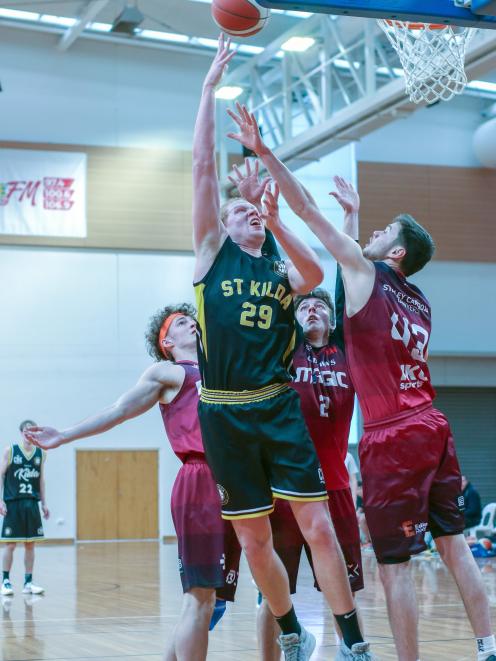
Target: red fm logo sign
(56, 192)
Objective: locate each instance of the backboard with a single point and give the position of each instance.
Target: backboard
(467, 13)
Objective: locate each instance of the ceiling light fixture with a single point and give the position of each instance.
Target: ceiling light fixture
(228, 92)
(298, 44)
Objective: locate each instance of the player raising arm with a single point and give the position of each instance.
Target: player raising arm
(256, 441)
(411, 477)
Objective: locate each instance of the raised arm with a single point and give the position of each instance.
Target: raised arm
(249, 185)
(208, 232)
(341, 246)
(147, 392)
(349, 200)
(304, 269)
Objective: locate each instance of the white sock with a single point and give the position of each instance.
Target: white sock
(485, 647)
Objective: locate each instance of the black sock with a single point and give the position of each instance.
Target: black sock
(28, 578)
(6, 576)
(348, 623)
(289, 623)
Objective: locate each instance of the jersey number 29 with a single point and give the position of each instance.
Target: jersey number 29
(250, 311)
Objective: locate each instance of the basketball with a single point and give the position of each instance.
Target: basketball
(240, 18)
(486, 543)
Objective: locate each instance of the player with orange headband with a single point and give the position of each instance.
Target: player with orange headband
(207, 546)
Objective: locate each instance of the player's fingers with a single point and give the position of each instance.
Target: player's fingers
(234, 117)
(232, 180)
(257, 167)
(248, 167)
(238, 172)
(235, 136)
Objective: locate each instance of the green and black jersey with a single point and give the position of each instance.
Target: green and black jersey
(22, 478)
(247, 330)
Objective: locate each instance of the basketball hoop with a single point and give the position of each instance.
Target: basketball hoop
(432, 57)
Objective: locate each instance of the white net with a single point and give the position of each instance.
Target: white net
(432, 57)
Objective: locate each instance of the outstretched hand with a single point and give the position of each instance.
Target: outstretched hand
(220, 62)
(250, 187)
(346, 195)
(45, 438)
(249, 133)
(270, 206)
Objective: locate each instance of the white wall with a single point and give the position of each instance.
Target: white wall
(96, 93)
(439, 135)
(71, 341)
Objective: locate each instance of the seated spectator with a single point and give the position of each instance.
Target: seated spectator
(473, 509)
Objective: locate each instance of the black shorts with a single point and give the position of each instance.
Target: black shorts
(259, 448)
(22, 523)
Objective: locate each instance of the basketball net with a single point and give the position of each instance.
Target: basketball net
(432, 57)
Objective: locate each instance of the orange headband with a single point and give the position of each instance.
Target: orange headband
(165, 329)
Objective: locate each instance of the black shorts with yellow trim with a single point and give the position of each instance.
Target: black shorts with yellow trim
(22, 523)
(258, 448)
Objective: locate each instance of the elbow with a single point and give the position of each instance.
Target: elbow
(316, 276)
(202, 164)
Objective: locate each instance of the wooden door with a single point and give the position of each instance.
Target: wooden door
(117, 494)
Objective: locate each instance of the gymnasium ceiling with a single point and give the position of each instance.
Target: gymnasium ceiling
(188, 17)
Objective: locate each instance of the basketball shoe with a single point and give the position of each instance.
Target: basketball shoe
(31, 588)
(297, 647)
(7, 588)
(358, 652)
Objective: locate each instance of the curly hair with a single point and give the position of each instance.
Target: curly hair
(157, 321)
(322, 295)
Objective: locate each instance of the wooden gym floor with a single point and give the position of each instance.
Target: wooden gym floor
(120, 601)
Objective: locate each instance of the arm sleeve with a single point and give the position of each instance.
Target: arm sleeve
(339, 302)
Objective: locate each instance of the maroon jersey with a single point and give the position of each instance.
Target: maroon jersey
(386, 347)
(181, 415)
(322, 382)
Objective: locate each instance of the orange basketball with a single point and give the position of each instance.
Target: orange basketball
(486, 543)
(240, 18)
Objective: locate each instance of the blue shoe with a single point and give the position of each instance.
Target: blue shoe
(297, 647)
(219, 610)
(358, 652)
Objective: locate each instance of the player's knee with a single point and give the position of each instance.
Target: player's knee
(257, 548)
(391, 572)
(29, 546)
(449, 547)
(10, 546)
(199, 600)
(319, 532)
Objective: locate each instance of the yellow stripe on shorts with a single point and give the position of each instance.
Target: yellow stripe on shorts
(208, 396)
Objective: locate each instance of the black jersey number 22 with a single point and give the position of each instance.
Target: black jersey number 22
(263, 314)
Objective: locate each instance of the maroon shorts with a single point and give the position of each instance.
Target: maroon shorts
(411, 483)
(289, 542)
(208, 549)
